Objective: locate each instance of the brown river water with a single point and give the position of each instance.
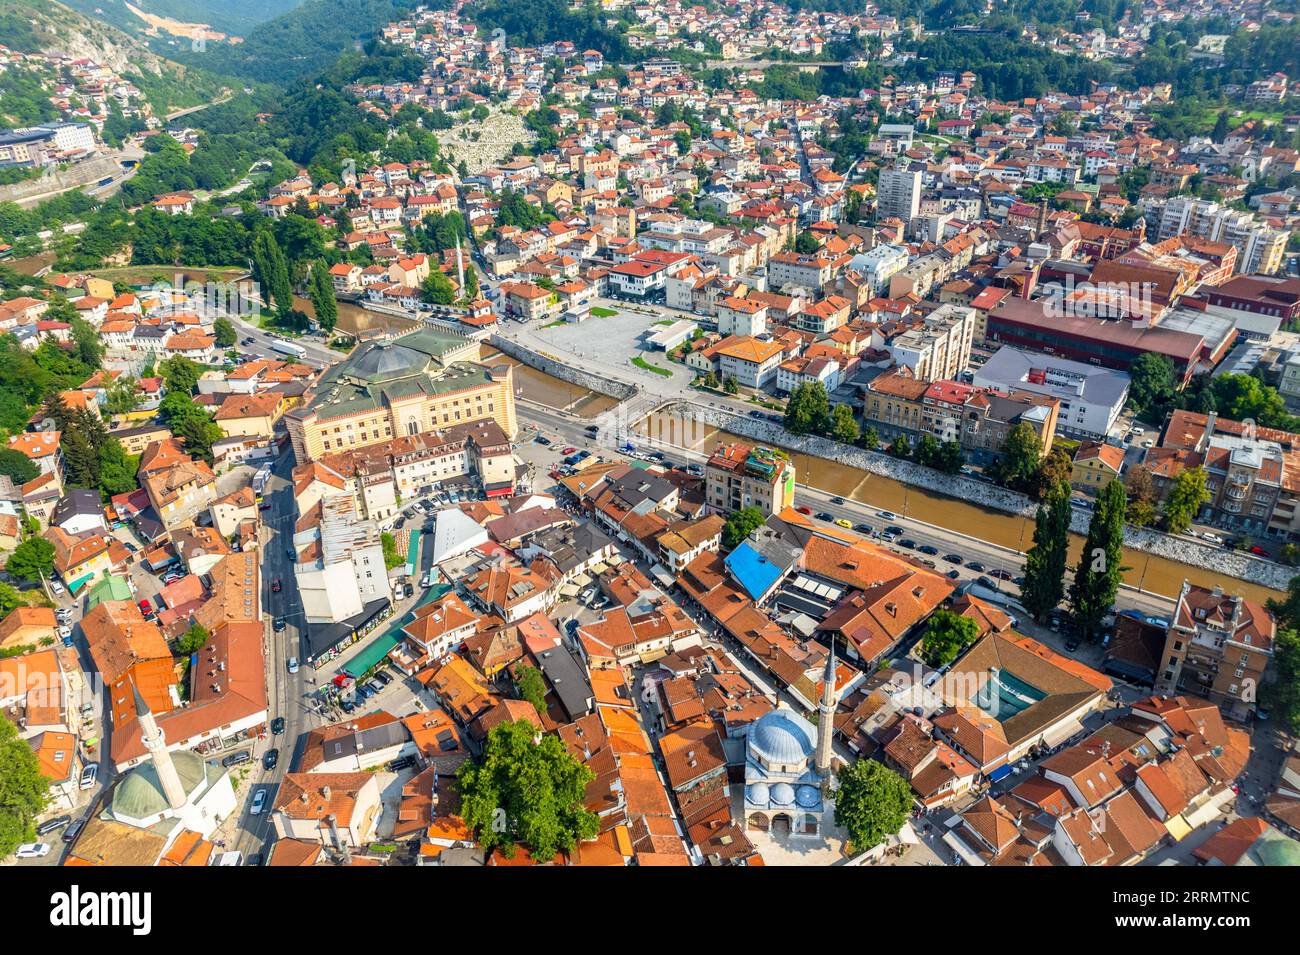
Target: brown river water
(1149, 572)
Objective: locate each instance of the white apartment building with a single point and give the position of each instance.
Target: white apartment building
(1259, 248)
(939, 348)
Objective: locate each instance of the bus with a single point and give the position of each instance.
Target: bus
(288, 348)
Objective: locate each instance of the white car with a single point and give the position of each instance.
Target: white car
(64, 632)
(1212, 538)
(89, 775)
(292, 664)
(259, 803)
(33, 850)
(57, 588)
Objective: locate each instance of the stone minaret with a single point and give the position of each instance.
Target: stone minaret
(826, 719)
(156, 744)
(460, 268)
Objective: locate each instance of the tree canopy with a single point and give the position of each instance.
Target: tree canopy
(872, 803)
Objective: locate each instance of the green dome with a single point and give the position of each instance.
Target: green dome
(1274, 849)
(140, 795)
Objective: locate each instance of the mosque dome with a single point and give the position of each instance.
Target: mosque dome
(783, 794)
(758, 794)
(140, 793)
(781, 737)
(807, 796)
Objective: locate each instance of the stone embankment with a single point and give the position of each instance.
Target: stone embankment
(561, 369)
(1184, 550)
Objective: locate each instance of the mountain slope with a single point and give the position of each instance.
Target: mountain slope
(235, 17)
(305, 40)
(35, 26)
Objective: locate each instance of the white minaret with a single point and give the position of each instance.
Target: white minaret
(460, 268)
(826, 719)
(156, 744)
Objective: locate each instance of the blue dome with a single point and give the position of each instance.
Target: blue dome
(783, 794)
(808, 796)
(782, 737)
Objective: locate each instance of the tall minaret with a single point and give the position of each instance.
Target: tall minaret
(460, 268)
(156, 744)
(826, 719)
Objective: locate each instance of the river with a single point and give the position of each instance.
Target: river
(543, 389)
(1156, 574)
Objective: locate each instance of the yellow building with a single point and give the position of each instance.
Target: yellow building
(424, 380)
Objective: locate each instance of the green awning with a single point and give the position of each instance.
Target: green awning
(413, 553)
(79, 583)
(373, 654)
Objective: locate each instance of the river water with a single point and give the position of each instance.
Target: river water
(543, 389)
(1149, 572)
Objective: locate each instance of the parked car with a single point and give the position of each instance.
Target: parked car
(975, 566)
(278, 625)
(953, 559)
(863, 528)
(383, 678)
(32, 850)
(908, 543)
(236, 759)
(89, 774)
(146, 608)
(824, 516)
(1000, 574)
(271, 758)
(953, 574)
(52, 825)
(292, 664)
(259, 803)
(70, 834)
(929, 549)
(277, 726)
(844, 523)
(895, 530)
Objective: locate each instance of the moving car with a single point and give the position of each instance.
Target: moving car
(275, 586)
(292, 664)
(278, 625)
(837, 500)
(804, 509)
(824, 516)
(277, 726)
(259, 803)
(887, 515)
(843, 523)
(270, 758)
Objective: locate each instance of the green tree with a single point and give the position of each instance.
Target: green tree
(1045, 562)
(271, 271)
(532, 687)
(87, 344)
(1287, 611)
(525, 791)
(844, 426)
(32, 560)
(870, 439)
(1282, 695)
(1189, 492)
(389, 544)
(192, 640)
(437, 289)
(1018, 460)
(1099, 572)
(1141, 494)
(1152, 384)
(10, 599)
(122, 395)
(946, 635)
(180, 374)
(223, 329)
(731, 386)
(808, 411)
(24, 792)
(17, 466)
(117, 469)
(740, 524)
(900, 447)
(323, 300)
(872, 803)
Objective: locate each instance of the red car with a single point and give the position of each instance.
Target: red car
(804, 509)
(146, 608)
(275, 586)
(569, 451)
(1259, 551)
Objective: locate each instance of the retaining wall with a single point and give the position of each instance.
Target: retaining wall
(1184, 550)
(564, 371)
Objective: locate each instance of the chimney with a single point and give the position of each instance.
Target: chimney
(325, 792)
